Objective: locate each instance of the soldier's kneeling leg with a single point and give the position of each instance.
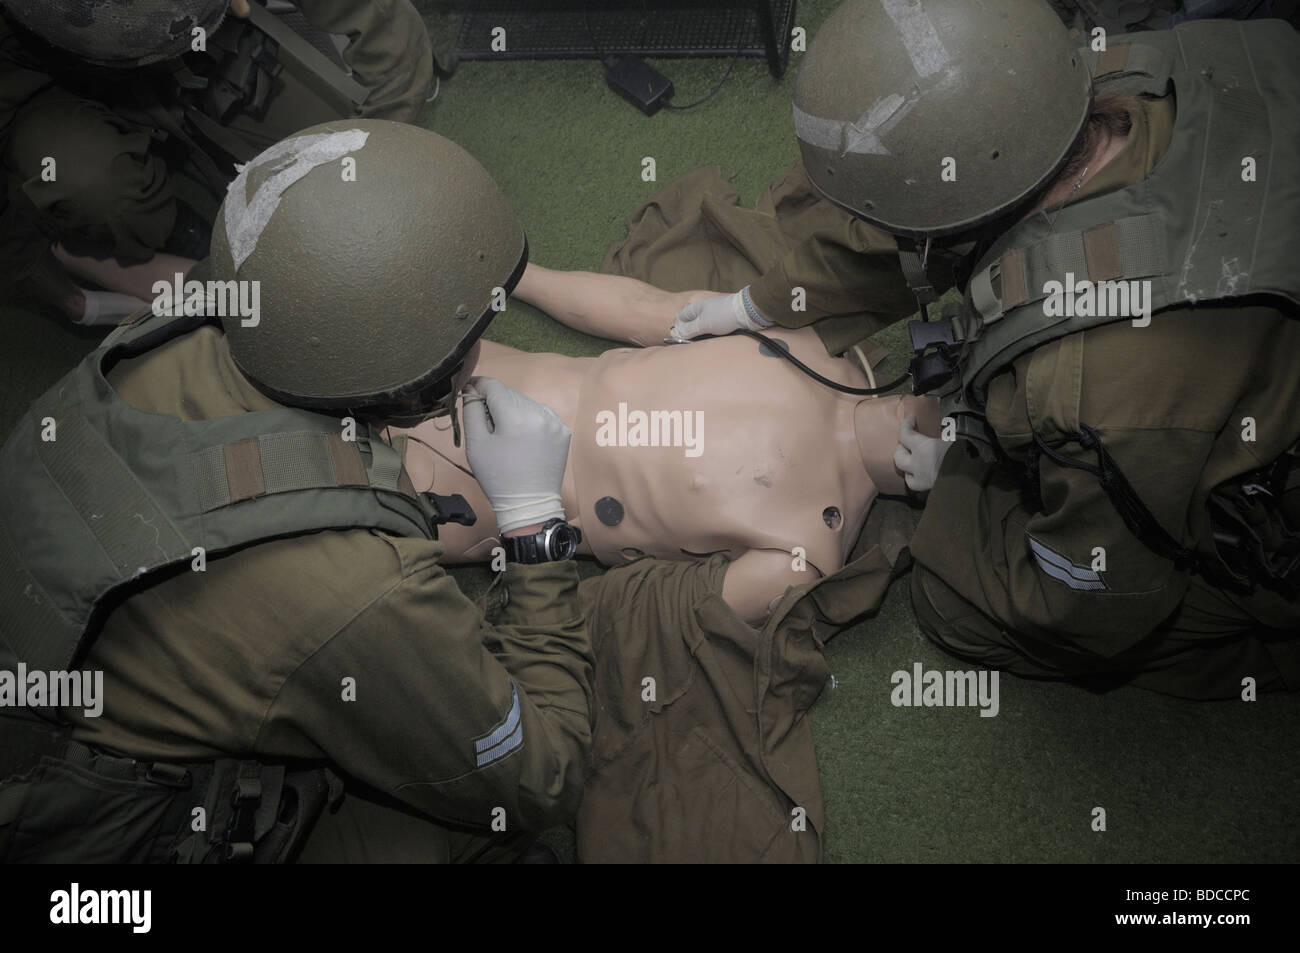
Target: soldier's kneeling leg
(961, 628)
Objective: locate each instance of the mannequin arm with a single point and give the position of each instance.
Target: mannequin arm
(608, 306)
(136, 280)
(758, 579)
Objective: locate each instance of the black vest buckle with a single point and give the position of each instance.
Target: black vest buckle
(936, 350)
(451, 509)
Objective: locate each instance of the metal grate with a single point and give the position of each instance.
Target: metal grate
(572, 29)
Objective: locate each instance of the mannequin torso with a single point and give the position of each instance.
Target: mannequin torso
(761, 458)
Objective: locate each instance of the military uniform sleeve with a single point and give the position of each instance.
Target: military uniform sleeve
(1064, 568)
(420, 697)
(844, 265)
(388, 50)
(1066, 571)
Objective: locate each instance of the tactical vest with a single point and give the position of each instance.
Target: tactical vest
(1202, 226)
(97, 496)
(1195, 228)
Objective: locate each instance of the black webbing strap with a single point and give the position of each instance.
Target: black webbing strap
(321, 67)
(221, 137)
(25, 738)
(1256, 521)
(1139, 520)
(245, 800)
(168, 121)
(913, 262)
(252, 812)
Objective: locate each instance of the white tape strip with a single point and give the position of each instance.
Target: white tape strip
(919, 37)
(245, 220)
(861, 137)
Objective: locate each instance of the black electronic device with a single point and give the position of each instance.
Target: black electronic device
(639, 83)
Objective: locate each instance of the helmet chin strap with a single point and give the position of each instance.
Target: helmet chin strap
(914, 260)
(447, 405)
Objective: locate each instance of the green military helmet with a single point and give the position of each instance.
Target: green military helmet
(122, 33)
(380, 253)
(891, 90)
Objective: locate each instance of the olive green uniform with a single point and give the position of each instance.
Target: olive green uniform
(1168, 400)
(694, 234)
(1171, 403)
(351, 648)
(115, 191)
(702, 751)
(355, 650)
(841, 262)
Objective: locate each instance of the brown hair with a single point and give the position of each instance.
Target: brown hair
(1110, 116)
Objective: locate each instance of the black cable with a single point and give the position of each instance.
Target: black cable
(776, 348)
(709, 95)
(591, 35)
(645, 28)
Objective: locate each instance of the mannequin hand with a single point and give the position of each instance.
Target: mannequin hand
(517, 449)
(719, 314)
(918, 456)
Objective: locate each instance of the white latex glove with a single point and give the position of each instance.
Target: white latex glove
(517, 449)
(721, 314)
(108, 307)
(918, 456)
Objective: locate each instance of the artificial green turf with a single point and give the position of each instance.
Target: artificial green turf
(1179, 781)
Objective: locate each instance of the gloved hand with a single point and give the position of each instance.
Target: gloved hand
(918, 456)
(517, 449)
(720, 314)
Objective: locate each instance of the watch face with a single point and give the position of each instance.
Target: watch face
(563, 542)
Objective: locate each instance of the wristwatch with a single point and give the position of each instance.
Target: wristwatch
(556, 540)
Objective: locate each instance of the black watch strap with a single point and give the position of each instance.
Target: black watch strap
(523, 549)
(556, 540)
